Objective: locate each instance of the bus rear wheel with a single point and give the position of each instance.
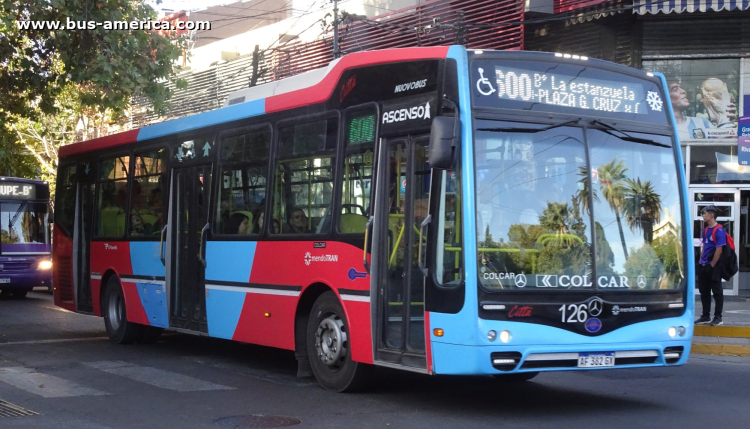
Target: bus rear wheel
(119, 330)
(329, 347)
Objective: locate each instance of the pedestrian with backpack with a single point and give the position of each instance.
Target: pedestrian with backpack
(710, 268)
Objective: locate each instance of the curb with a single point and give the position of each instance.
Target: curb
(722, 331)
(720, 349)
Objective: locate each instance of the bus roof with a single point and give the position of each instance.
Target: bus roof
(23, 180)
(288, 93)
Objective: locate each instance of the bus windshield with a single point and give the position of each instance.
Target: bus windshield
(538, 190)
(23, 226)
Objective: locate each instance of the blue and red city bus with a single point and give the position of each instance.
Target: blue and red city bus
(436, 210)
(25, 245)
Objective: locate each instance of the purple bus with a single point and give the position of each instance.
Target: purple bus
(25, 248)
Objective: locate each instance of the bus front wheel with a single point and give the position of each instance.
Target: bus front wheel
(329, 347)
(119, 330)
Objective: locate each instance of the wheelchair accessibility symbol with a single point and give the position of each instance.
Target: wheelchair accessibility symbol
(483, 84)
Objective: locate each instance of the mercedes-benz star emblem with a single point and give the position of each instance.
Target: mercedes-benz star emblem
(595, 306)
(641, 281)
(520, 280)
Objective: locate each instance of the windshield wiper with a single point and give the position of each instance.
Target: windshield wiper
(12, 221)
(628, 137)
(531, 130)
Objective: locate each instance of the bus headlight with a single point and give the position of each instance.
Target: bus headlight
(681, 331)
(492, 335)
(45, 265)
(672, 331)
(505, 336)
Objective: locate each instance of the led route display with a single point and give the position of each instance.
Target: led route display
(509, 83)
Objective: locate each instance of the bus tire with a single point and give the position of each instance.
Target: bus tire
(20, 293)
(329, 347)
(516, 377)
(119, 330)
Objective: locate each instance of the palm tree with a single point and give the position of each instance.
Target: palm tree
(581, 198)
(642, 207)
(612, 183)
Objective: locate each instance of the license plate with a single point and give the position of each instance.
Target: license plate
(6, 280)
(596, 360)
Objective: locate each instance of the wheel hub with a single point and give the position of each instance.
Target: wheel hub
(331, 341)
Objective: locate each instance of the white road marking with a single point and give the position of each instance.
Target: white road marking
(60, 340)
(44, 385)
(156, 377)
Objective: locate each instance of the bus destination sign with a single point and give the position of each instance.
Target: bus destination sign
(17, 191)
(567, 88)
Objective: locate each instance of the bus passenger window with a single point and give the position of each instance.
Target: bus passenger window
(303, 186)
(112, 199)
(242, 182)
(147, 198)
(357, 170)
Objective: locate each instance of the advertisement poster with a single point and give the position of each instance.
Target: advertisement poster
(743, 141)
(704, 94)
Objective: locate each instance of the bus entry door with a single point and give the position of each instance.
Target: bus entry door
(190, 204)
(400, 306)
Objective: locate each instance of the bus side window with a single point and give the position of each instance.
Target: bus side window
(449, 253)
(148, 193)
(243, 181)
(303, 186)
(112, 199)
(357, 167)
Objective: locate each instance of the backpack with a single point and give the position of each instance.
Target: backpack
(728, 256)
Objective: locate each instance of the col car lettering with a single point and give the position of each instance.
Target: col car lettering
(546, 280)
(400, 115)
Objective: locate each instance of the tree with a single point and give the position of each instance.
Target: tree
(105, 67)
(581, 198)
(642, 207)
(612, 184)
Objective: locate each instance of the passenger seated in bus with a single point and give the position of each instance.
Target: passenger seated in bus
(298, 222)
(258, 224)
(137, 226)
(239, 223)
(275, 225)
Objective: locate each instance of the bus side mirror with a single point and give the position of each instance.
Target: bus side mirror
(443, 141)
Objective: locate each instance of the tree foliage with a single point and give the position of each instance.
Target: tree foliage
(103, 68)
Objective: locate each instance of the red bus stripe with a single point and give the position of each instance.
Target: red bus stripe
(100, 143)
(323, 90)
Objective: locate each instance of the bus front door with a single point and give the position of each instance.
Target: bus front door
(400, 306)
(82, 243)
(189, 222)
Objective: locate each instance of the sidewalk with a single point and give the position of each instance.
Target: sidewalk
(730, 339)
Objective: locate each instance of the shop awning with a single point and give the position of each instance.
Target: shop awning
(642, 7)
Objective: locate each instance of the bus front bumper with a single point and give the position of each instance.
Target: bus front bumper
(10, 281)
(506, 359)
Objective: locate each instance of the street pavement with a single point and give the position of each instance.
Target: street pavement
(59, 366)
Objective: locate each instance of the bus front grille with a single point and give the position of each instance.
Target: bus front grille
(570, 360)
